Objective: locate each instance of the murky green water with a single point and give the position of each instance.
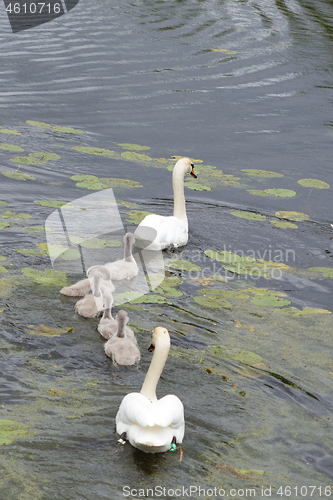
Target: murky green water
(103, 98)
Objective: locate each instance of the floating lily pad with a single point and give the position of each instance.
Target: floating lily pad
(261, 173)
(13, 215)
(250, 269)
(168, 291)
(35, 229)
(46, 156)
(135, 147)
(213, 299)
(280, 193)
(4, 224)
(95, 242)
(228, 257)
(10, 430)
(150, 299)
(8, 131)
(183, 265)
(225, 51)
(313, 183)
(2, 203)
(3, 270)
(128, 204)
(136, 216)
(327, 272)
(88, 182)
(94, 151)
(270, 301)
(196, 186)
(19, 176)
(63, 253)
(50, 203)
(49, 277)
(133, 156)
(10, 147)
(56, 128)
(248, 215)
(27, 160)
(296, 216)
(112, 182)
(284, 224)
(47, 331)
(241, 355)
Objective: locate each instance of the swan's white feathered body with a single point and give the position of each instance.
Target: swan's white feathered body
(149, 424)
(157, 232)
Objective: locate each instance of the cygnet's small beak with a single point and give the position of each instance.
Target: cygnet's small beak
(192, 171)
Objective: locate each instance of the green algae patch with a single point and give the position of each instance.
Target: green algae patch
(326, 272)
(242, 355)
(48, 277)
(9, 131)
(2, 203)
(213, 299)
(50, 203)
(248, 215)
(46, 156)
(134, 156)
(47, 331)
(291, 215)
(284, 224)
(13, 215)
(10, 430)
(224, 51)
(94, 151)
(56, 128)
(313, 183)
(4, 224)
(95, 242)
(183, 265)
(18, 176)
(279, 193)
(261, 173)
(113, 182)
(228, 257)
(197, 186)
(133, 147)
(270, 301)
(3, 270)
(136, 216)
(128, 204)
(305, 311)
(10, 147)
(27, 160)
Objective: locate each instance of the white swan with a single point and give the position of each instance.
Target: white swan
(150, 424)
(156, 232)
(92, 303)
(119, 270)
(122, 347)
(127, 267)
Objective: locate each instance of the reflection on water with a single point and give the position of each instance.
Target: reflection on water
(242, 86)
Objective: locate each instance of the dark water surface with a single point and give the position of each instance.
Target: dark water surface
(255, 374)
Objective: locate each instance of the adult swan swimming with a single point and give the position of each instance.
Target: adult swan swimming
(157, 232)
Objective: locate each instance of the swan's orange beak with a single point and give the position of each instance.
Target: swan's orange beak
(192, 171)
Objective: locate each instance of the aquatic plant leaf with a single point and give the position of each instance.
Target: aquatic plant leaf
(133, 156)
(168, 291)
(35, 229)
(4, 224)
(327, 272)
(228, 257)
(261, 173)
(49, 277)
(284, 224)
(56, 128)
(10, 430)
(313, 183)
(2, 257)
(136, 216)
(171, 281)
(8, 131)
(305, 311)
(150, 299)
(3, 270)
(229, 294)
(296, 216)
(95, 186)
(196, 186)
(128, 204)
(94, 151)
(46, 156)
(281, 193)
(270, 301)
(183, 265)
(10, 147)
(112, 182)
(33, 252)
(3, 203)
(12, 215)
(241, 355)
(95, 242)
(249, 269)
(213, 301)
(50, 203)
(47, 331)
(225, 51)
(27, 160)
(135, 147)
(19, 176)
(248, 215)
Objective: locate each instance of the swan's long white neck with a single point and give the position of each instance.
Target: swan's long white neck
(128, 249)
(108, 301)
(96, 288)
(157, 363)
(179, 208)
(122, 320)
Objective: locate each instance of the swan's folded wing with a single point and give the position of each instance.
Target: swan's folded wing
(136, 409)
(169, 412)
